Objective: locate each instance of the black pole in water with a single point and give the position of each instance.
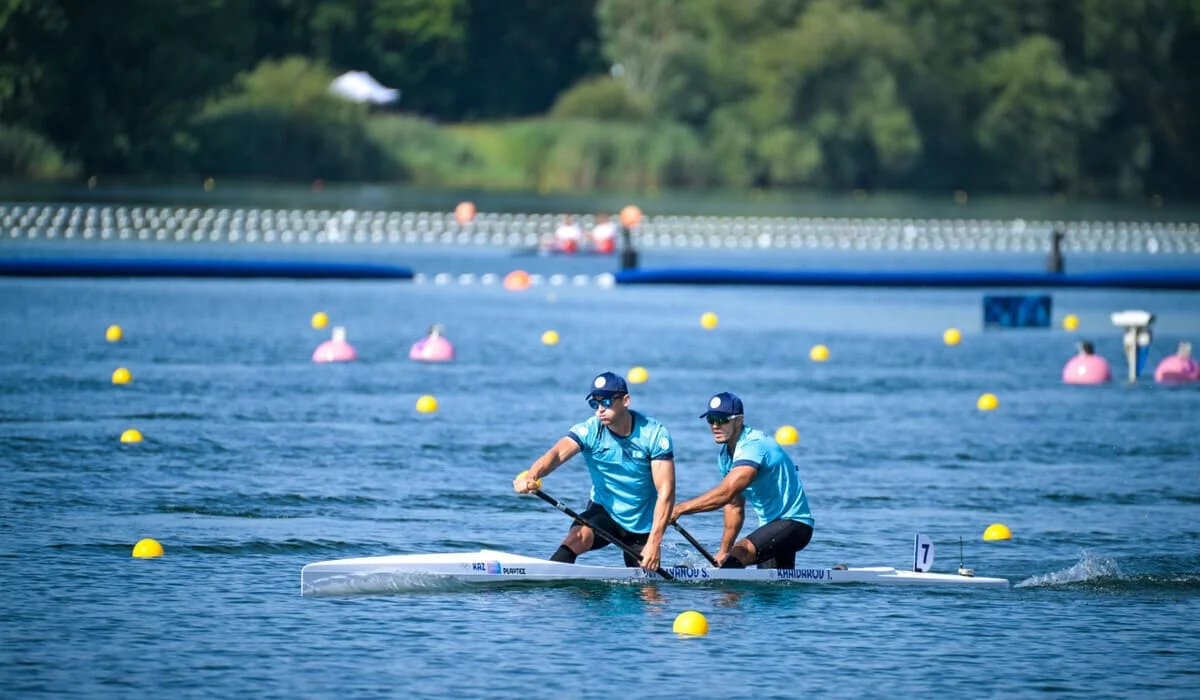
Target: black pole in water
(629, 256)
(1054, 261)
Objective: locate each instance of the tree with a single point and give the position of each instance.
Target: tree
(115, 81)
(26, 28)
(1037, 115)
(1150, 50)
(827, 101)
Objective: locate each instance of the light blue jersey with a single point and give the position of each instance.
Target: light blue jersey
(620, 468)
(776, 492)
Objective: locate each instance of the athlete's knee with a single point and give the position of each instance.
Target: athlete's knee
(583, 538)
(739, 556)
(806, 535)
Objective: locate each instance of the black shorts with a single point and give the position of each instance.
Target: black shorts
(599, 518)
(777, 542)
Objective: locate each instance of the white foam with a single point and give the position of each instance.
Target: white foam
(379, 583)
(1088, 568)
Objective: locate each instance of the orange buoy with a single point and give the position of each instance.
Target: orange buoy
(631, 216)
(516, 281)
(464, 212)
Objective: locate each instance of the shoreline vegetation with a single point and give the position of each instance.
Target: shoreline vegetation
(1079, 100)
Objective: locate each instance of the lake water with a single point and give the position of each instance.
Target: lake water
(257, 461)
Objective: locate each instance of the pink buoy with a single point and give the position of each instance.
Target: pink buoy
(1086, 367)
(1180, 367)
(336, 349)
(432, 348)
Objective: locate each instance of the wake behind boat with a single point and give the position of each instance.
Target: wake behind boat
(397, 573)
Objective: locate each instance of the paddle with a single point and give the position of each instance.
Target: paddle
(579, 519)
(699, 547)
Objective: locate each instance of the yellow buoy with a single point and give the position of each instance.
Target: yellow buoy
(690, 623)
(131, 435)
(320, 320)
(987, 402)
(113, 333)
(952, 336)
(997, 531)
(121, 376)
(787, 435)
(427, 404)
(209, 184)
(708, 321)
(638, 375)
(147, 549)
(550, 338)
(819, 353)
(1070, 322)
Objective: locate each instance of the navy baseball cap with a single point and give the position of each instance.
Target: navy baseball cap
(608, 384)
(724, 405)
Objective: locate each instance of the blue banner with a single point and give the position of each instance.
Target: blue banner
(1023, 311)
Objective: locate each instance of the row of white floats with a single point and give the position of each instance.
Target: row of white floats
(218, 225)
(604, 279)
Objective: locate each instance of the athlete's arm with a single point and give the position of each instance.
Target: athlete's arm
(563, 450)
(663, 471)
(730, 487)
(735, 515)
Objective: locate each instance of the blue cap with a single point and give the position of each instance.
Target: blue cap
(608, 384)
(723, 404)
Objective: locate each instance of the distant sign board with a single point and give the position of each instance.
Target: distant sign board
(1024, 311)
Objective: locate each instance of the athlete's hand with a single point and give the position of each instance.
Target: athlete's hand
(651, 556)
(720, 556)
(674, 516)
(523, 484)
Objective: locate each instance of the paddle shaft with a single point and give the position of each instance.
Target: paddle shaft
(695, 543)
(579, 519)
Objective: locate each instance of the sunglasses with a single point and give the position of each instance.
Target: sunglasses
(718, 420)
(597, 403)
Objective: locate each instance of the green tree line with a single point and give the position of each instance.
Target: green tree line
(1092, 98)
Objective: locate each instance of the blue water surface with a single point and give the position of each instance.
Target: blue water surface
(257, 461)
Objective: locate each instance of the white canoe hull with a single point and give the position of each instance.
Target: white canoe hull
(420, 571)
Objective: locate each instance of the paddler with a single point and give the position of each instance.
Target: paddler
(630, 458)
(755, 470)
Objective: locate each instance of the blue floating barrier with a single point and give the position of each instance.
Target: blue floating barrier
(138, 267)
(1137, 279)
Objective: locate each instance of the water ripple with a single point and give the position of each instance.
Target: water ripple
(257, 461)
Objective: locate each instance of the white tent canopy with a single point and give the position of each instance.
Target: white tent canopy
(359, 86)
